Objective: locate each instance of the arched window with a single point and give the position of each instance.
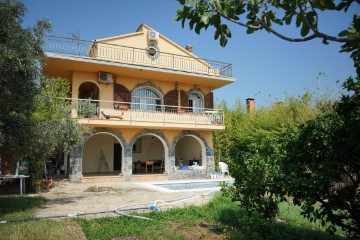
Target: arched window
(146, 99)
(196, 102)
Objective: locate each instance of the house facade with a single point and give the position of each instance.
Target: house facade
(148, 101)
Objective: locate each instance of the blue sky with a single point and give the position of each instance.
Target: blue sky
(265, 67)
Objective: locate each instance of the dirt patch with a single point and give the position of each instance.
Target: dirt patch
(99, 189)
(203, 230)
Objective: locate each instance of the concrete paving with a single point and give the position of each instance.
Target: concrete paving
(66, 198)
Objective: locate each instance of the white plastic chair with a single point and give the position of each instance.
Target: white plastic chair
(224, 169)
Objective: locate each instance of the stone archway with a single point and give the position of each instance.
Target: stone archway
(206, 154)
(159, 136)
(76, 156)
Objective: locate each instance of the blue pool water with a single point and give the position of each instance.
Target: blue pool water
(192, 185)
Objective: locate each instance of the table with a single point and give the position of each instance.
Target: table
(22, 181)
(136, 164)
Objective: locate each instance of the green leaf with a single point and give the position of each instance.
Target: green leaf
(304, 30)
(250, 30)
(227, 32)
(206, 17)
(198, 27)
(223, 40)
(216, 34)
(182, 2)
(299, 20)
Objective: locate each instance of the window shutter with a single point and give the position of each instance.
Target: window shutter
(209, 100)
(122, 92)
(171, 98)
(184, 99)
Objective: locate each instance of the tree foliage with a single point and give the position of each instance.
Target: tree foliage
(322, 164)
(258, 15)
(54, 130)
(252, 146)
(20, 58)
(35, 119)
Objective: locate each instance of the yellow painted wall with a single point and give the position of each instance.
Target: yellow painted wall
(139, 40)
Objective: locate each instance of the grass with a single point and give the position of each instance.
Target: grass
(219, 219)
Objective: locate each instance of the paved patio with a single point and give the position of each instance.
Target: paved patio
(76, 198)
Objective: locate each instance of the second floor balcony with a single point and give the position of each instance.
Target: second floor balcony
(136, 57)
(126, 114)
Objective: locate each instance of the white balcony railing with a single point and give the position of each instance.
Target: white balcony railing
(141, 112)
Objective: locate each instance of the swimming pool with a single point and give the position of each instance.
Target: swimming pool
(193, 185)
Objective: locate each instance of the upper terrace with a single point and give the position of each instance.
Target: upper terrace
(106, 53)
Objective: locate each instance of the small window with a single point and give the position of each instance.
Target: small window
(153, 51)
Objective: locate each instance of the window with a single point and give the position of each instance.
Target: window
(146, 99)
(196, 102)
(153, 51)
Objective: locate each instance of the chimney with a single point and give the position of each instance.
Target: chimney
(250, 105)
(189, 48)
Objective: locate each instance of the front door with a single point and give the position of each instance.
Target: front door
(117, 157)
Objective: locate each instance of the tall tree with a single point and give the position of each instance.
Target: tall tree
(263, 15)
(20, 60)
(54, 130)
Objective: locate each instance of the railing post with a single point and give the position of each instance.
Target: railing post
(173, 61)
(133, 54)
(46, 43)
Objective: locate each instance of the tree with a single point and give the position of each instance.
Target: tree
(321, 167)
(252, 146)
(20, 60)
(53, 130)
(263, 15)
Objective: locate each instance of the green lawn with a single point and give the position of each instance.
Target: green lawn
(219, 219)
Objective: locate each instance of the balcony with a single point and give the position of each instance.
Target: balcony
(126, 114)
(136, 57)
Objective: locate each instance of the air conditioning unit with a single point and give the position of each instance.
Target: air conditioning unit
(152, 35)
(105, 77)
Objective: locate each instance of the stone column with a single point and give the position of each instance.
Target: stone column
(75, 168)
(66, 162)
(171, 166)
(127, 167)
(210, 159)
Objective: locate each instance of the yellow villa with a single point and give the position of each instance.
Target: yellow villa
(149, 102)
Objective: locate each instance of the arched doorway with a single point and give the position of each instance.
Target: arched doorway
(102, 154)
(149, 155)
(190, 151)
(196, 102)
(88, 90)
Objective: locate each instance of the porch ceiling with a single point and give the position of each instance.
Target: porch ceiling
(63, 65)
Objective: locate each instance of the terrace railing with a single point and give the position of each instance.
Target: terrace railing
(136, 56)
(140, 112)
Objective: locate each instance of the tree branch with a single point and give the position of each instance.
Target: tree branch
(290, 39)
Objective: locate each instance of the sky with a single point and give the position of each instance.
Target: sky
(265, 67)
